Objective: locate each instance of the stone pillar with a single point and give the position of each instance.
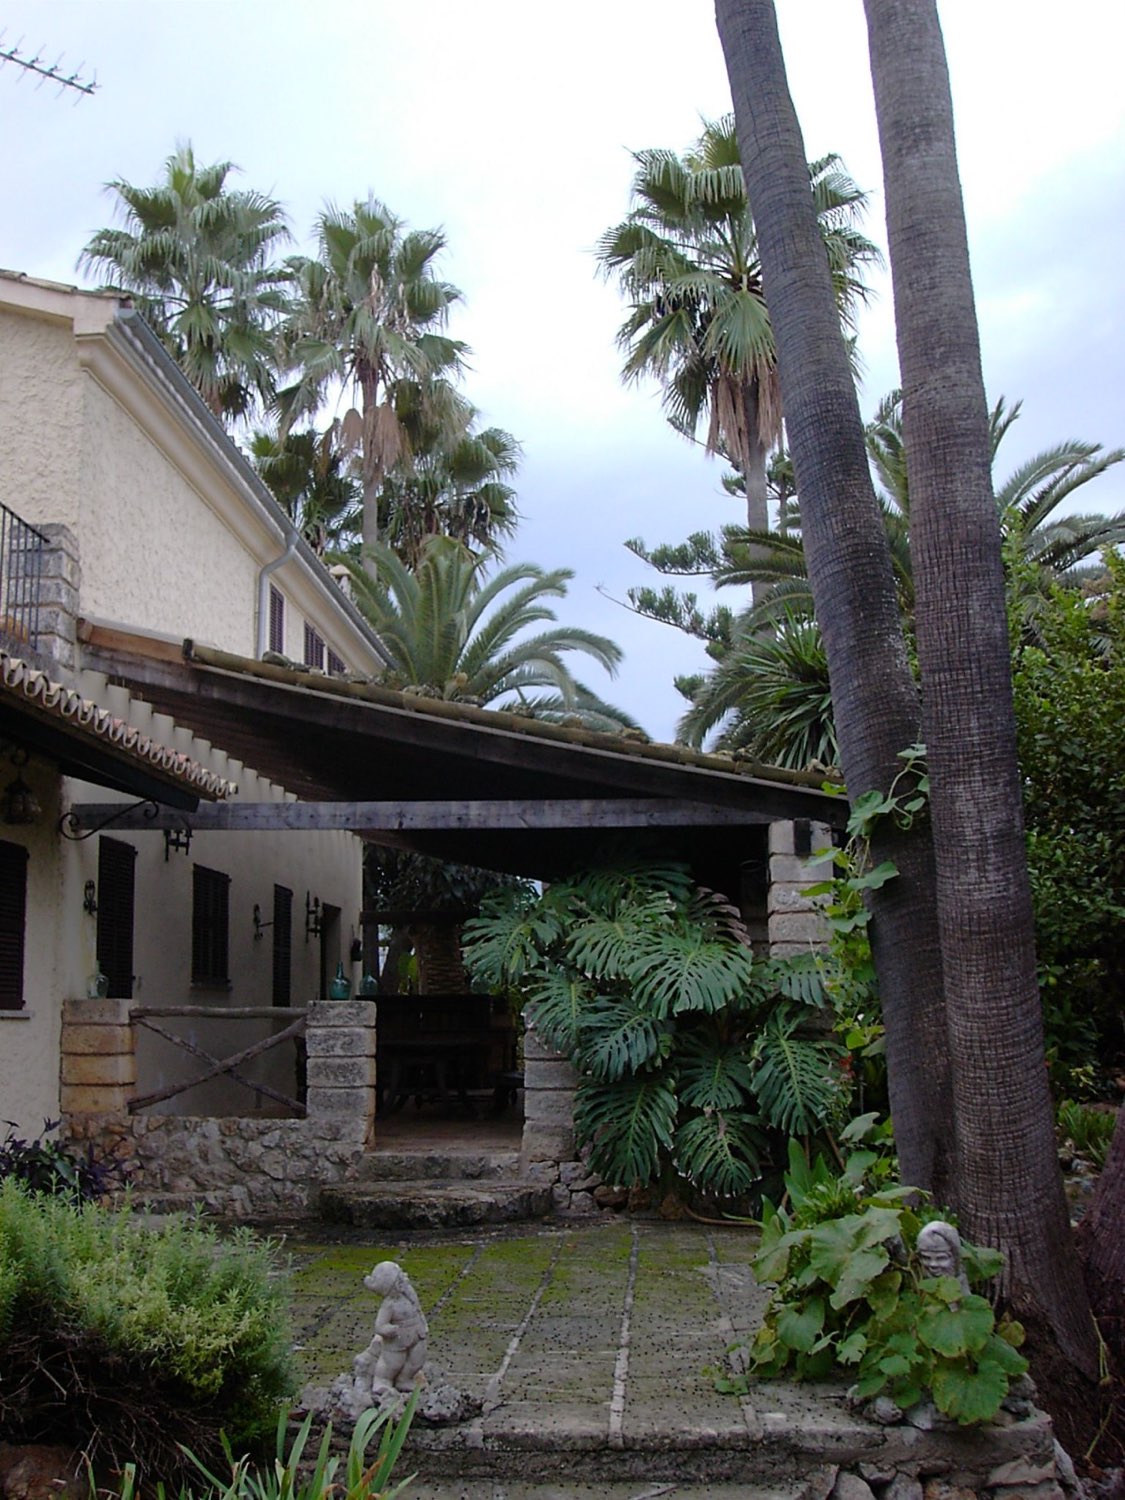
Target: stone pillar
(340, 1044)
(795, 925)
(549, 1083)
(58, 600)
(98, 1070)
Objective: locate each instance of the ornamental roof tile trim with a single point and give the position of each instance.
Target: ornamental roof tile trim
(57, 701)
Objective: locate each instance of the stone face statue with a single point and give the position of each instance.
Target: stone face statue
(394, 1358)
(939, 1250)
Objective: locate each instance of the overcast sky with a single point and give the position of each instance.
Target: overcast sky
(509, 124)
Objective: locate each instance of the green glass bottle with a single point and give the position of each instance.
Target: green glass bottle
(341, 986)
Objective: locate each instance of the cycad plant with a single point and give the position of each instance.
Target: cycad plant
(451, 631)
(695, 1056)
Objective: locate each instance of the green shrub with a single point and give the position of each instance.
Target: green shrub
(128, 1340)
(850, 1293)
(50, 1167)
(1089, 1131)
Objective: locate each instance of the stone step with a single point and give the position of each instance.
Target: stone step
(442, 1164)
(633, 1489)
(433, 1204)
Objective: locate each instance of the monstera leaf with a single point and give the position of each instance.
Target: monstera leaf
(796, 1079)
(628, 1124)
(720, 1151)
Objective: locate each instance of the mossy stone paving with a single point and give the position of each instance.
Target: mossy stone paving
(597, 1316)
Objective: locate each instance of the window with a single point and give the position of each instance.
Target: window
(13, 916)
(277, 621)
(116, 882)
(314, 648)
(282, 945)
(210, 926)
(335, 663)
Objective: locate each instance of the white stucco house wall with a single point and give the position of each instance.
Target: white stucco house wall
(156, 523)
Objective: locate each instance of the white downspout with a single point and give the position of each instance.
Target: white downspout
(264, 591)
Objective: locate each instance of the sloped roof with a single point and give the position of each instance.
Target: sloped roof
(93, 743)
(329, 739)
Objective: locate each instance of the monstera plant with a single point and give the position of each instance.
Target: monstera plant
(696, 1057)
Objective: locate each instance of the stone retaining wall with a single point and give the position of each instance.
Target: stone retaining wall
(234, 1166)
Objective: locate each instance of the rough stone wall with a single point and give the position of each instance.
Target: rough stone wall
(548, 1109)
(61, 581)
(237, 1167)
(795, 924)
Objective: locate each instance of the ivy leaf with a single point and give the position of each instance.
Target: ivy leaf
(969, 1395)
(882, 1295)
(799, 1326)
(951, 1331)
(875, 879)
(772, 1261)
(997, 1349)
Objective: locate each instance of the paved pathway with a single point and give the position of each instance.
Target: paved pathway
(590, 1344)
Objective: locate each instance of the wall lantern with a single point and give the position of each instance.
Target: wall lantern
(90, 898)
(19, 803)
(312, 916)
(259, 925)
(176, 838)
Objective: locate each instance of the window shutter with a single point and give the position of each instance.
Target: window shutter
(210, 925)
(13, 917)
(314, 648)
(335, 663)
(116, 888)
(277, 621)
(282, 945)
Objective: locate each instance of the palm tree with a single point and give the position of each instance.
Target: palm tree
(1056, 547)
(454, 488)
(453, 633)
(313, 483)
(1008, 1188)
(686, 257)
(770, 698)
(873, 691)
(370, 311)
(197, 259)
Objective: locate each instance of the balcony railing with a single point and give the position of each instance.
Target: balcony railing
(21, 582)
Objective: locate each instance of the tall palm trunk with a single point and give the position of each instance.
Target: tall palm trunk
(441, 969)
(873, 692)
(1008, 1185)
(754, 476)
(373, 470)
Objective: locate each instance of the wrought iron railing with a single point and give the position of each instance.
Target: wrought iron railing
(21, 581)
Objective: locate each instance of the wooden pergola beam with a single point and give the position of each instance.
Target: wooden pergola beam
(422, 816)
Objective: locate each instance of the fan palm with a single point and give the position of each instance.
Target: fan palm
(370, 312)
(772, 691)
(455, 488)
(686, 257)
(312, 483)
(452, 632)
(197, 259)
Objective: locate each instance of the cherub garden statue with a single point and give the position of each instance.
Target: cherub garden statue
(394, 1358)
(939, 1250)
